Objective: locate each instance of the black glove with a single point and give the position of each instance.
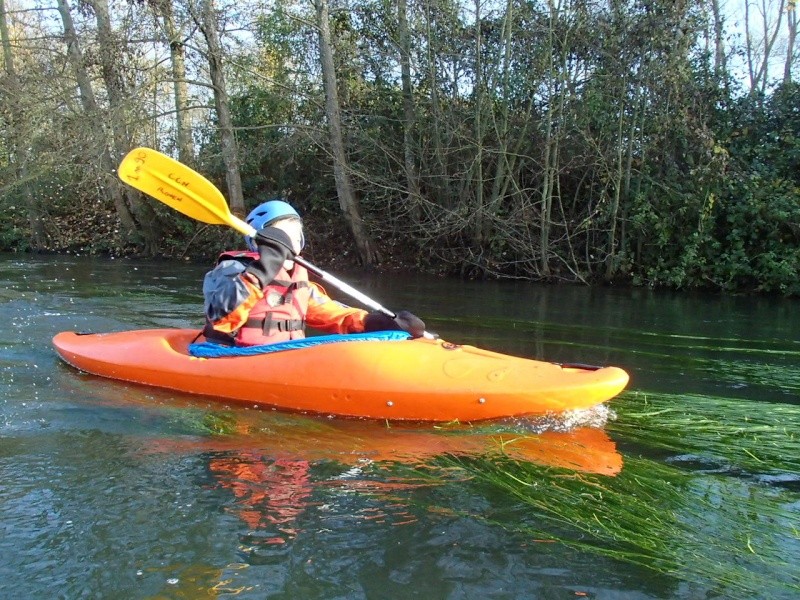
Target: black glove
(273, 237)
(274, 247)
(404, 321)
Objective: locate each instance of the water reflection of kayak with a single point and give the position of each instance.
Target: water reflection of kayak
(371, 377)
(271, 479)
(275, 435)
(585, 449)
(278, 436)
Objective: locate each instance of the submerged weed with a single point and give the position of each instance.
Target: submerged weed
(708, 494)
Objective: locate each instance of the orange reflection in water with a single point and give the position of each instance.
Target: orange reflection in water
(266, 462)
(269, 493)
(295, 437)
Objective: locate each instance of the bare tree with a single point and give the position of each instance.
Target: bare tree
(438, 167)
(409, 113)
(720, 59)
(506, 156)
(344, 187)
(177, 52)
(477, 165)
(92, 110)
(111, 57)
(550, 159)
(208, 23)
(791, 21)
(760, 45)
(17, 146)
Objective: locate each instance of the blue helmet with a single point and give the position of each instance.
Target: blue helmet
(267, 213)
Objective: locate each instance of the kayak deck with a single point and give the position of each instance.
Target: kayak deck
(409, 380)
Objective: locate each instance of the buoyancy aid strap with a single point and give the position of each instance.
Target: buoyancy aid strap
(266, 325)
(291, 284)
(270, 325)
(290, 325)
(290, 287)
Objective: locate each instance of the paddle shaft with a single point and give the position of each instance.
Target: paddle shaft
(344, 287)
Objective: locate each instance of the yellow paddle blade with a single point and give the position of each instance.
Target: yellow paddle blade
(179, 187)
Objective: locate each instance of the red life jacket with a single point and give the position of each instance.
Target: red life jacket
(280, 315)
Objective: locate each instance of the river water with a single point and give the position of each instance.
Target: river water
(111, 490)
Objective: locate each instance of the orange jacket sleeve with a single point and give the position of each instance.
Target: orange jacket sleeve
(330, 316)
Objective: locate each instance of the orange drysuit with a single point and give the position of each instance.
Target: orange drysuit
(243, 312)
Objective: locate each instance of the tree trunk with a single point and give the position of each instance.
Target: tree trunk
(791, 17)
(720, 61)
(17, 148)
(631, 144)
(547, 200)
(230, 152)
(347, 201)
(618, 178)
(177, 55)
(550, 146)
(479, 208)
(504, 165)
(89, 103)
(110, 53)
(409, 114)
(438, 168)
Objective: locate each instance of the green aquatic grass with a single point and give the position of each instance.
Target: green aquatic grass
(750, 436)
(783, 377)
(709, 494)
(711, 531)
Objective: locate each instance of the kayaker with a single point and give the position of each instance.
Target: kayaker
(261, 296)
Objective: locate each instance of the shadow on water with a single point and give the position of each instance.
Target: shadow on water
(686, 487)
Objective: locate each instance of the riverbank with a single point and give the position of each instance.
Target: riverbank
(96, 232)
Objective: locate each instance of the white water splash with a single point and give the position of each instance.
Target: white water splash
(596, 416)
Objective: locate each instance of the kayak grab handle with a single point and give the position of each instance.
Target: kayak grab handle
(579, 366)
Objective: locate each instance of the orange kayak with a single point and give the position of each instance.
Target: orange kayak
(399, 380)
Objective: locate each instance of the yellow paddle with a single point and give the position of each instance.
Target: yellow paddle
(188, 192)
